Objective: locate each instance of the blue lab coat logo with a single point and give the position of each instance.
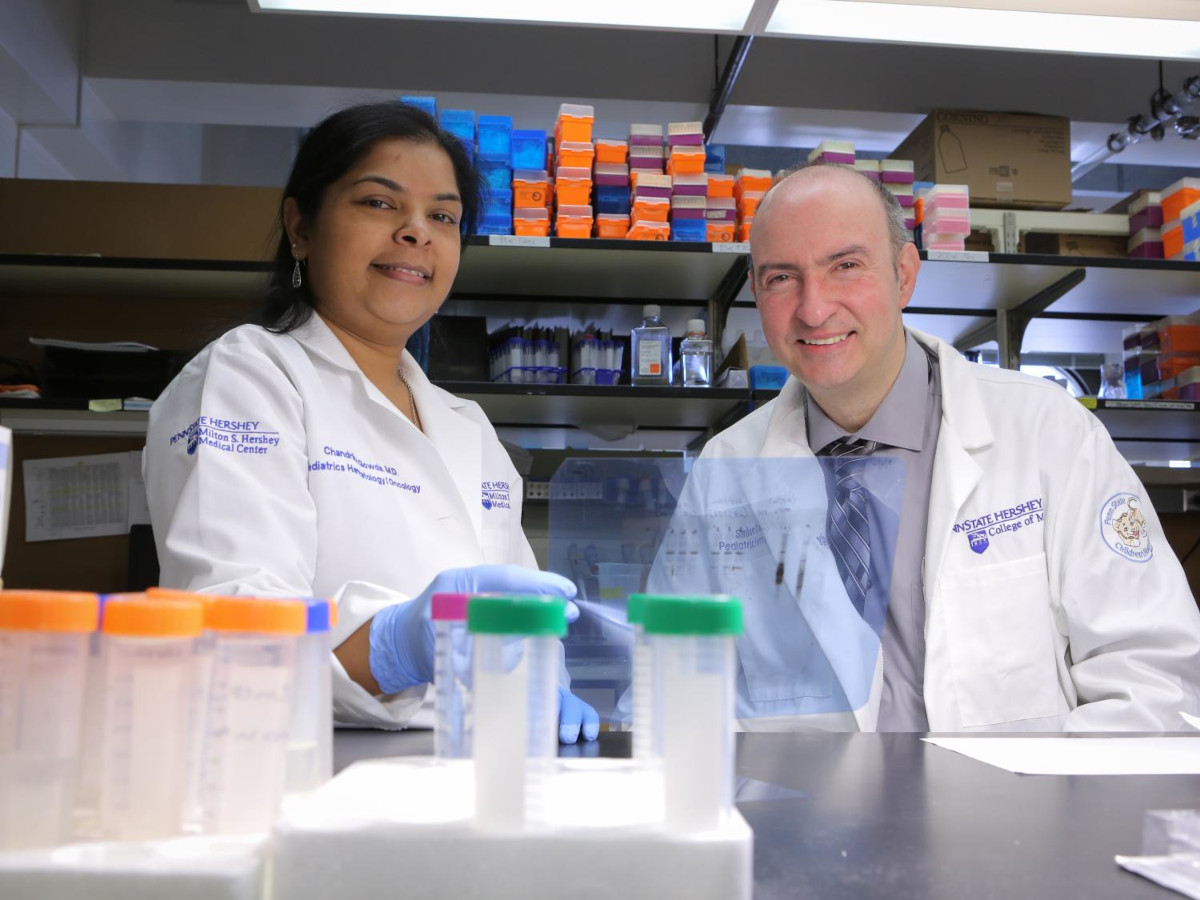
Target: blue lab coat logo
(979, 540)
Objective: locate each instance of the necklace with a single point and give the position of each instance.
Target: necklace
(412, 404)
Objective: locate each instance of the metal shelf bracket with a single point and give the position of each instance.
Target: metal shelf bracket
(1008, 330)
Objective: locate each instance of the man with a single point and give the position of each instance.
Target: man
(1031, 587)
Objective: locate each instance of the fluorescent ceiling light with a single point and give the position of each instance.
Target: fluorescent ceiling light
(671, 15)
(1010, 29)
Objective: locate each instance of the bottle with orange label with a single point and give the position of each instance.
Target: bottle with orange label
(650, 349)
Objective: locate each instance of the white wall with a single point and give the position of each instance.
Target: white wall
(8, 146)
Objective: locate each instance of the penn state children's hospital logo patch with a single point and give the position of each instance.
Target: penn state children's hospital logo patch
(1123, 528)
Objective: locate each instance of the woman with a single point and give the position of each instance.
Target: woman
(309, 455)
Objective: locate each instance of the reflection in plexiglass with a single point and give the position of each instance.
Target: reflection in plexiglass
(753, 528)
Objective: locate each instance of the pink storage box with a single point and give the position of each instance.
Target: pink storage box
(944, 224)
(947, 196)
(940, 207)
(944, 242)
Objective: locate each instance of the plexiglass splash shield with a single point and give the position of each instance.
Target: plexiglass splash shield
(806, 545)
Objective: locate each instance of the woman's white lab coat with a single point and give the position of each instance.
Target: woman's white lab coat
(274, 467)
(1052, 598)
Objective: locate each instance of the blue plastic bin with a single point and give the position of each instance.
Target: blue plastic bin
(767, 378)
(460, 123)
(495, 138)
(497, 175)
(612, 198)
(689, 230)
(714, 158)
(428, 104)
(528, 149)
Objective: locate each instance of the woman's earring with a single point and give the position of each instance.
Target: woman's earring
(296, 279)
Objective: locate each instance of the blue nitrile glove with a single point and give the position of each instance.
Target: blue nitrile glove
(402, 635)
(575, 716)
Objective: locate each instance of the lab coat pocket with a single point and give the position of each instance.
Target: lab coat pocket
(1000, 637)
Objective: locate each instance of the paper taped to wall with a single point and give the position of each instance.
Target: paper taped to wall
(83, 496)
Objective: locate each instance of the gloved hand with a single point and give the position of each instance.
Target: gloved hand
(402, 635)
(574, 717)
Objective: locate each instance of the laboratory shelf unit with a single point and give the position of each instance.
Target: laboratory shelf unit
(1047, 304)
(1088, 300)
(578, 405)
(43, 274)
(70, 418)
(568, 267)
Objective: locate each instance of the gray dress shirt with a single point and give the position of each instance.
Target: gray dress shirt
(907, 423)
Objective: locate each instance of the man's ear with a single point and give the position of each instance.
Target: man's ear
(907, 265)
(296, 227)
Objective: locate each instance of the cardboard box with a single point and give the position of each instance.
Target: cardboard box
(1113, 246)
(157, 221)
(1006, 159)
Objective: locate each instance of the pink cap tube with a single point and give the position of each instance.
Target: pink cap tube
(448, 607)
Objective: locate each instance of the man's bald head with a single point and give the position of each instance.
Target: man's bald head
(802, 176)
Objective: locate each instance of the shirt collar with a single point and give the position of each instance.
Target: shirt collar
(900, 419)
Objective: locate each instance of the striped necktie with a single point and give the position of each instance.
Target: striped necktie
(846, 522)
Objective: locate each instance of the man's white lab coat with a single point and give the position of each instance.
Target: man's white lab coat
(1053, 601)
(273, 467)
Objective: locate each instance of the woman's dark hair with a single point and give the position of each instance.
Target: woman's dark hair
(328, 152)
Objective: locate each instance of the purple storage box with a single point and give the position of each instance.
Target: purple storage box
(896, 177)
(647, 163)
(646, 140)
(840, 159)
(874, 176)
(1188, 384)
(1149, 368)
(721, 215)
(689, 190)
(687, 214)
(643, 190)
(615, 180)
(1150, 217)
(685, 140)
(1148, 250)
(905, 200)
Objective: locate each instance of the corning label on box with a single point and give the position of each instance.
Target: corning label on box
(511, 240)
(731, 247)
